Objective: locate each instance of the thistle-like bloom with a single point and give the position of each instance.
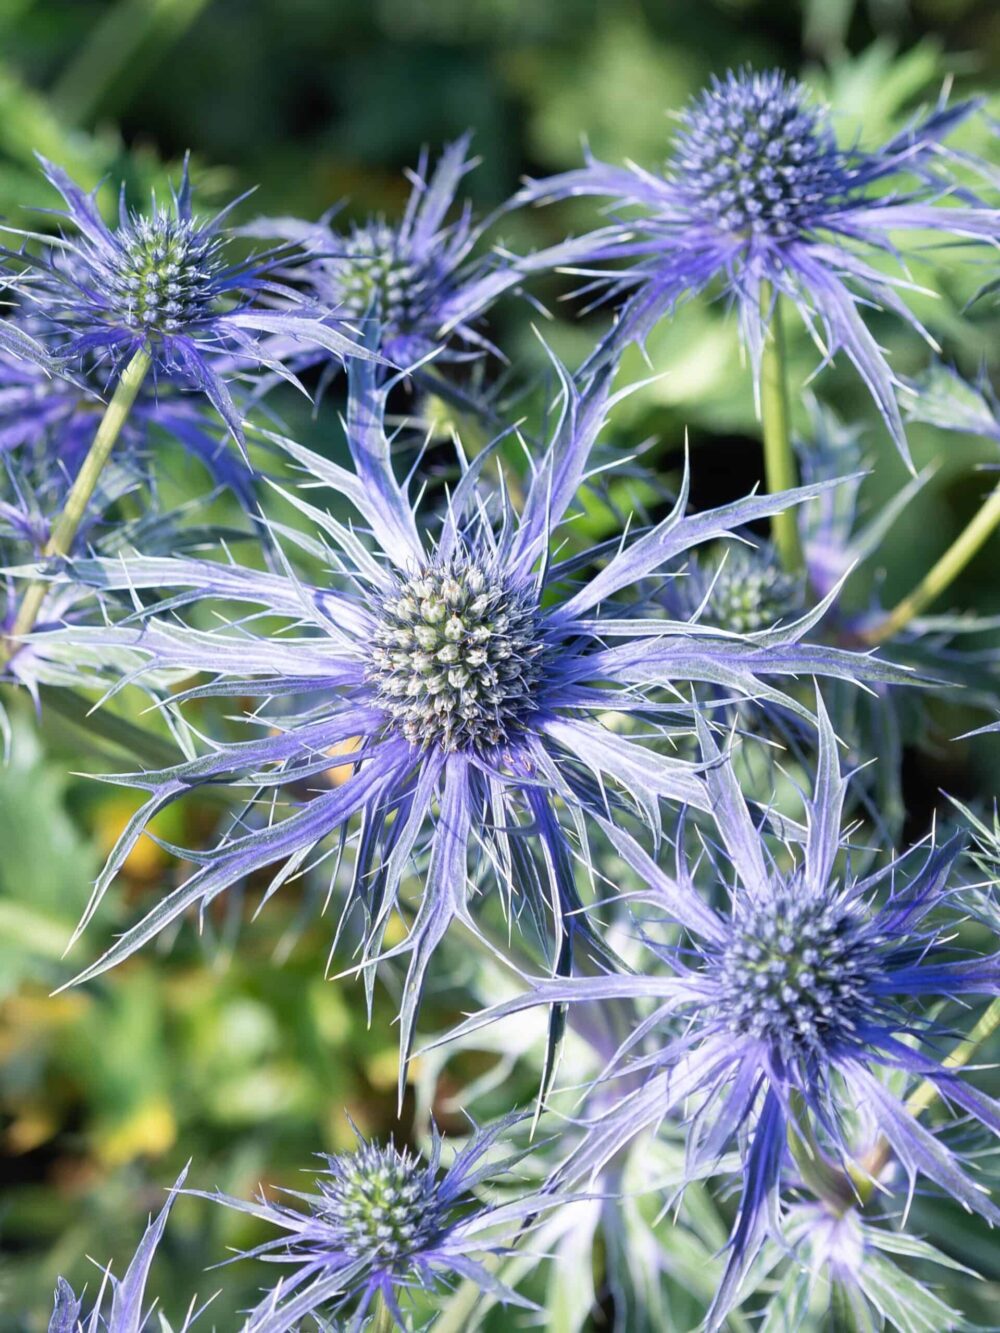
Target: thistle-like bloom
(161, 281)
(128, 1293)
(476, 667)
(785, 1011)
(758, 197)
(419, 279)
(385, 1222)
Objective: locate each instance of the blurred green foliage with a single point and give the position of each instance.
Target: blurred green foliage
(245, 1057)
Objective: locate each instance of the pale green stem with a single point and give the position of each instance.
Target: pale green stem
(66, 525)
(928, 1092)
(951, 564)
(779, 458)
(382, 1320)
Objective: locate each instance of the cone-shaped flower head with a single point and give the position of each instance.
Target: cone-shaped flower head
(790, 1011)
(383, 1222)
(417, 280)
(760, 198)
(473, 666)
(164, 281)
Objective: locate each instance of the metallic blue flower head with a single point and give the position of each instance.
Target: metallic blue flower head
(162, 280)
(755, 157)
(377, 273)
(795, 973)
(807, 1001)
(476, 665)
(418, 280)
(385, 1221)
(458, 658)
(384, 1202)
(759, 199)
(742, 589)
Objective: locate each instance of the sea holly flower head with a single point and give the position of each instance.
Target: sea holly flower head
(417, 280)
(163, 281)
(475, 666)
(755, 156)
(384, 1222)
(788, 1012)
(758, 197)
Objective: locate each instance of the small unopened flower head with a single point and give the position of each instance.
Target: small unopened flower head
(458, 657)
(794, 973)
(755, 157)
(385, 1202)
(164, 275)
(748, 591)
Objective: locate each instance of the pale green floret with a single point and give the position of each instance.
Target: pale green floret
(751, 592)
(379, 1202)
(457, 658)
(166, 277)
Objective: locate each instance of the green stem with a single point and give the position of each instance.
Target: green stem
(951, 564)
(927, 1093)
(382, 1320)
(66, 525)
(779, 458)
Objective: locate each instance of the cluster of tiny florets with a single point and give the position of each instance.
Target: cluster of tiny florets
(749, 591)
(382, 1202)
(165, 276)
(373, 274)
(457, 657)
(755, 158)
(795, 974)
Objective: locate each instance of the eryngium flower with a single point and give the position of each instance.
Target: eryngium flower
(476, 667)
(127, 1293)
(384, 1222)
(788, 1009)
(162, 281)
(759, 197)
(418, 279)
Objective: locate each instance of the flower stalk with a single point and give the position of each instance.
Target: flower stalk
(943, 573)
(779, 458)
(382, 1320)
(65, 528)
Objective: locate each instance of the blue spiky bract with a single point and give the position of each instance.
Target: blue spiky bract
(162, 280)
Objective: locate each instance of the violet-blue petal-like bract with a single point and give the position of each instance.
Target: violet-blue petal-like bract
(162, 281)
(759, 198)
(384, 1222)
(475, 669)
(787, 1009)
(129, 1312)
